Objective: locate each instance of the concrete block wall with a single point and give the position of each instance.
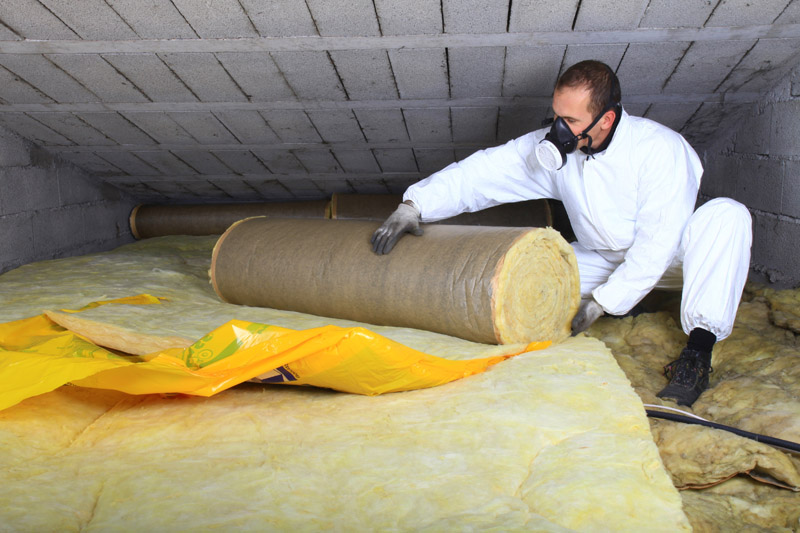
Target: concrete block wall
(759, 165)
(50, 208)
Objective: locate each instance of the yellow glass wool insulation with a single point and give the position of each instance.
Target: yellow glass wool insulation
(549, 441)
(484, 284)
(755, 386)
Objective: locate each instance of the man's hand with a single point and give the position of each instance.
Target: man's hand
(587, 314)
(405, 219)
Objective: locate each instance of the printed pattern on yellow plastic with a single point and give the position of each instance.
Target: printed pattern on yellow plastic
(37, 356)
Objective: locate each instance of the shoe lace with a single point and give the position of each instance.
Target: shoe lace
(686, 370)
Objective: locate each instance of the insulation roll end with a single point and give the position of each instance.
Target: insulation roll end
(132, 222)
(536, 289)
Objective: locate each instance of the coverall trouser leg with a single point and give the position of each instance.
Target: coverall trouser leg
(710, 267)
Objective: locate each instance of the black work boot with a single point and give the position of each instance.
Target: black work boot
(688, 377)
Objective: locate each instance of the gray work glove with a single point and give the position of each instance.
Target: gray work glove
(405, 219)
(587, 314)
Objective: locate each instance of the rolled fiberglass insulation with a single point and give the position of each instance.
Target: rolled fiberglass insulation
(484, 284)
(532, 213)
(213, 219)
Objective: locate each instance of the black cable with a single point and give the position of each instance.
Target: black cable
(772, 441)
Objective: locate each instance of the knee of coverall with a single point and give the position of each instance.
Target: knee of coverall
(723, 213)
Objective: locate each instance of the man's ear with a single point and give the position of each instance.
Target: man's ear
(608, 120)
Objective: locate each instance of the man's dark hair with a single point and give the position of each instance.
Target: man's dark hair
(598, 78)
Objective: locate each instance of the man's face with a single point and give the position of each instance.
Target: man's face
(572, 104)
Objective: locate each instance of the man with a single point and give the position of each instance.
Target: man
(629, 189)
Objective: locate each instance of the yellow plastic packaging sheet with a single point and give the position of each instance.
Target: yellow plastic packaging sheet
(37, 356)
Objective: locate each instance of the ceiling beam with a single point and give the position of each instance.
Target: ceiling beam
(396, 42)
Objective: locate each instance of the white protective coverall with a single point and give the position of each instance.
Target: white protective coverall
(631, 208)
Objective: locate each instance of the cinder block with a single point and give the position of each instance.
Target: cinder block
(138, 189)
(269, 188)
(105, 221)
(535, 15)
(673, 116)
(331, 186)
(152, 77)
(249, 127)
(752, 137)
(15, 90)
(38, 71)
(237, 189)
(115, 127)
(409, 18)
(97, 75)
(428, 125)
(785, 136)
(430, 160)
(291, 125)
(218, 19)
(166, 163)
(712, 124)
(357, 161)
(32, 130)
(790, 204)
(241, 161)
(745, 12)
(475, 16)
(676, 14)
(128, 163)
(646, 67)
(74, 187)
(73, 128)
(160, 20)
(760, 183)
(609, 15)
(336, 125)
(382, 125)
(311, 75)
(476, 71)
(204, 189)
(7, 34)
(203, 74)
(344, 17)
(399, 184)
(14, 150)
(257, 75)
(202, 161)
(280, 18)
(280, 161)
(32, 20)
(420, 73)
(57, 229)
(474, 124)
(204, 127)
(318, 161)
(91, 19)
(366, 74)
(705, 65)
(775, 242)
(763, 67)
(25, 189)
(302, 187)
(91, 163)
(720, 176)
(368, 186)
(610, 54)
(531, 70)
(515, 122)
(396, 160)
(17, 249)
(161, 127)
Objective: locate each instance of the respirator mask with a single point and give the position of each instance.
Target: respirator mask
(552, 151)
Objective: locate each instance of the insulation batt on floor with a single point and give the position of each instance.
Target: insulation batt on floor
(554, 440)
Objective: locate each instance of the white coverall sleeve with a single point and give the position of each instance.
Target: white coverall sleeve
(503, 174)
(669, 176)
